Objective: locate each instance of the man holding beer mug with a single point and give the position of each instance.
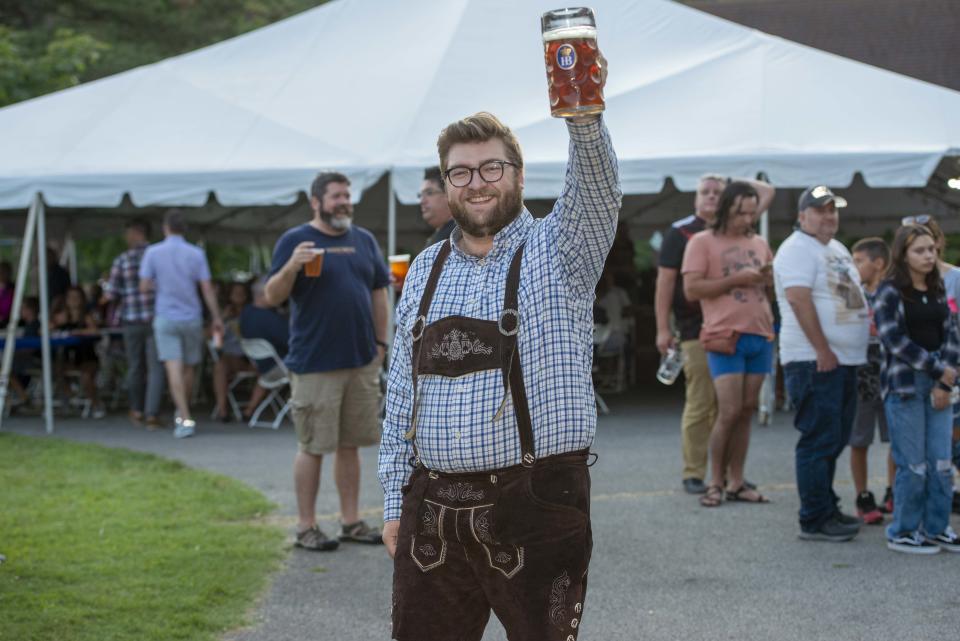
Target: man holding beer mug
(336, 280)
(490, 398)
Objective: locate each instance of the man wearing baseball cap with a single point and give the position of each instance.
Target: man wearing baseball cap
(823, 339)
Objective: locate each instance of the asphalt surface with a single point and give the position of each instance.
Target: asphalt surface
(663, 568)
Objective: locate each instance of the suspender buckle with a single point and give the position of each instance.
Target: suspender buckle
(516, 322)
(528, 460)
(418, 326)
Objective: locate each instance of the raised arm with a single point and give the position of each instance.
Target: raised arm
(765, 192)
(586, 213)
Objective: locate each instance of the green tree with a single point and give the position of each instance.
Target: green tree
(47, 45)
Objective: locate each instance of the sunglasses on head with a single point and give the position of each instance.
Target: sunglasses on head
(922, 219)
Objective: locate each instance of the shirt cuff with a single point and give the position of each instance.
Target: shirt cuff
(392, 503)
(586, 132)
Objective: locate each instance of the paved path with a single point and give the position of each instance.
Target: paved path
(663, 568)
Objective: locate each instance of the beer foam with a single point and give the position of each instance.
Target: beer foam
(569, 33)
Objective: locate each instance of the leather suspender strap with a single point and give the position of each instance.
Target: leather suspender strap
(417, 331)
(509, 325)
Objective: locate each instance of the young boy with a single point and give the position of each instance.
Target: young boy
(871, 256)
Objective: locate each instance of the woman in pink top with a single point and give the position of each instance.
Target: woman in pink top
(728, 269)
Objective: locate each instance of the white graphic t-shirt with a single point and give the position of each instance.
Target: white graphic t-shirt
(829, 272)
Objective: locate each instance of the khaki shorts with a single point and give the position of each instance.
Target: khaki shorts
(337, 409)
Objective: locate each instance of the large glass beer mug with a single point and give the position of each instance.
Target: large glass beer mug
(572, 59)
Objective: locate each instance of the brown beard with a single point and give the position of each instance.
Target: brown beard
(509, 205)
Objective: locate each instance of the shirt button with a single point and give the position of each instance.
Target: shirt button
(482, 262)
(456, 435)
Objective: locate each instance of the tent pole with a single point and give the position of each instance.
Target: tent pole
(391, 250)
(18, 293)
(70, 251)
(765, 216)
(44, 315)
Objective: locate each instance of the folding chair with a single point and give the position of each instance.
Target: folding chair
(238, 379)
(274, 381)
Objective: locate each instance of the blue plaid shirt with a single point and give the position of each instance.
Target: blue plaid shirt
(457, 426)
(901, 356)
(124, 285)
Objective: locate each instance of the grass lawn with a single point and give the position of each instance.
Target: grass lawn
(110, 544)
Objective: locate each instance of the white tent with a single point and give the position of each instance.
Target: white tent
(364, 86)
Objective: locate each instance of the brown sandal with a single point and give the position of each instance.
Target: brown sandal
(745, 494)
(713, 496)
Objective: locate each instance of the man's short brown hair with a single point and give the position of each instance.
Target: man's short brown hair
(480, 127)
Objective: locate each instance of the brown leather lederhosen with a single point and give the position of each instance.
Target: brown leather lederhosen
(517, 539)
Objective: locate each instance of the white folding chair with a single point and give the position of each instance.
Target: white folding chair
(274, 381)
(232, 386)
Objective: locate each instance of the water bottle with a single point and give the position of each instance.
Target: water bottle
(670, 365)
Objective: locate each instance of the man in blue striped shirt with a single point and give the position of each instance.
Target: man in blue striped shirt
(490, 396)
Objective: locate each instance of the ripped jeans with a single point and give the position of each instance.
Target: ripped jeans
(920, 439)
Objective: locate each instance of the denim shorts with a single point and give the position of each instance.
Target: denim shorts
(179, 340)
(754, 355)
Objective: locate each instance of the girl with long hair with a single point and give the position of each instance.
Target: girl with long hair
(728, 269)
(921, 355)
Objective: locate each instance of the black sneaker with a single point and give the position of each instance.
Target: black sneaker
(948, 541)
(831, 530)
(911, 543)
(314, 539)
(847, 519)
(867, 509)
(887, 505)
(694, 486)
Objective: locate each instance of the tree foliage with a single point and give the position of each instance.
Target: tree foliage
(47, 45)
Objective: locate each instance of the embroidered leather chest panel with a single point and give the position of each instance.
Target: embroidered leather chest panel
(458, 345)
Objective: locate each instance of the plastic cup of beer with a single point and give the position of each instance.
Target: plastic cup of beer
(572, 59)
(315, 266)
(399, 264)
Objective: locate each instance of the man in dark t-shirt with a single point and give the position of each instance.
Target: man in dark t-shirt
(700, 403)
(336, 280)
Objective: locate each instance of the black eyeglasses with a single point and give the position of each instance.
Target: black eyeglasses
(429, 192)
(922, 219)
(490, 171)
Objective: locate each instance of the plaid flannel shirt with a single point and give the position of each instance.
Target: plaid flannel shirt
(124, 286)
(458, 429)
(901, 356)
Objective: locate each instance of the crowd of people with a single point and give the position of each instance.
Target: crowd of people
(145, 314)
(868, 342)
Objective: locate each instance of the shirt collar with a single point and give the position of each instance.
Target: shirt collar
(504, 242)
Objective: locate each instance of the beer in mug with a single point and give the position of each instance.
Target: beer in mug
(572, 60)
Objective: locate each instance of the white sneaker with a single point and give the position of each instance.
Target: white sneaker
(185, 427)
(948, 540)
(98, 413)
